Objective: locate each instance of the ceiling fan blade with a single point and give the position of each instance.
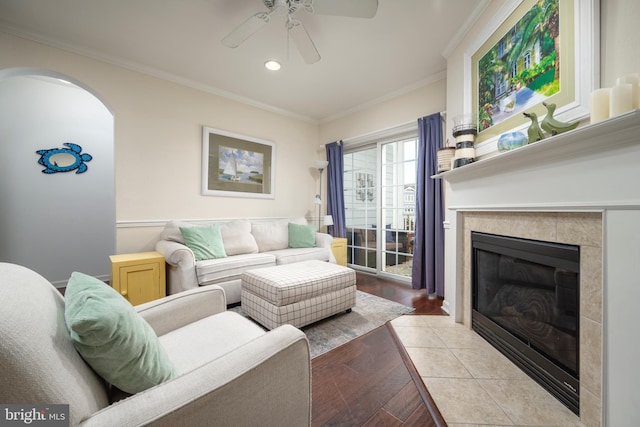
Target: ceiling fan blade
(350, 8)
(303, 42)
(248, 28)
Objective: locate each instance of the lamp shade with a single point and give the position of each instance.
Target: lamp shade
(328, 220)
(321, 164)
(317, 200)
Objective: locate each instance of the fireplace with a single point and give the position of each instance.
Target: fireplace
(574, 188)
(525, 302)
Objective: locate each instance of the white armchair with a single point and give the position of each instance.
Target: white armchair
(230, 371)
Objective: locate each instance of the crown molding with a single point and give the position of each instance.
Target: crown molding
(464, 29)
(407, 89)
(150, 71)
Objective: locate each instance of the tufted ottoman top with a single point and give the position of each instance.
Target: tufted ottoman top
(290, 283)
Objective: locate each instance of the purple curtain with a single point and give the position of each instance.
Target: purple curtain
(428, 252)
(335, 189)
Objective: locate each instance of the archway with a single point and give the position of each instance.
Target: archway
(57, 184)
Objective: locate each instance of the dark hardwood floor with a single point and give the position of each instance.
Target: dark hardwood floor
(399, 292)
(370, 381)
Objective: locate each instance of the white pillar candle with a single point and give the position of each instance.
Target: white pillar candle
(466, 137)
(620, 100)
(600, 104)
(465, 153)
(634, 81)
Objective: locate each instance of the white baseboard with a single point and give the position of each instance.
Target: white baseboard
(446, 307)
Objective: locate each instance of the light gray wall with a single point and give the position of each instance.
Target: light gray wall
(61, 222)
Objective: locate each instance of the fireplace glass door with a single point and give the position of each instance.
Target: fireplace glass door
(526, 303)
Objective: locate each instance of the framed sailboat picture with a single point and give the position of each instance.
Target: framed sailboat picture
(235, 165)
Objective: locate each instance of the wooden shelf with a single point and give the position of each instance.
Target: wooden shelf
(615, 132)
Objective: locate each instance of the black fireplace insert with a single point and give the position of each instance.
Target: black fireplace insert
(525, 302)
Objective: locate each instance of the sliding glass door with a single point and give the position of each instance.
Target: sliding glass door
(379, 186)
(361, 212)
(397, 205)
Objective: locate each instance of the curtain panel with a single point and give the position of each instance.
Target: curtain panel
(428, 254)
(335, 189)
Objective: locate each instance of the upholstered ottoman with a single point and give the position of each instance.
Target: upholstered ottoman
(298, 294)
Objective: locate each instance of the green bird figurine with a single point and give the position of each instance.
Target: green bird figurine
(554, 126)
(534, 132)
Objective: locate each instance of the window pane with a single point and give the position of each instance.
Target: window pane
(409, 148)
(360, 206)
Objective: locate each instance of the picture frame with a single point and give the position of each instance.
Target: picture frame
(578, 50)
(235, 165)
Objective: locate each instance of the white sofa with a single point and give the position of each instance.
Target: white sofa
(248, 245)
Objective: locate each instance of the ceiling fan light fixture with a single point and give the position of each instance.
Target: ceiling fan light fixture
(272, 65)
(281, 7)
(296, 31)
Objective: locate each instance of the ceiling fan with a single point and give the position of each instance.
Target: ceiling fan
(295, 29)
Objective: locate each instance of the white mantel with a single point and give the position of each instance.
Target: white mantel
(595, 168)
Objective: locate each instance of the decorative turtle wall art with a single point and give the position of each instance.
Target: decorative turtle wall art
(64, 159)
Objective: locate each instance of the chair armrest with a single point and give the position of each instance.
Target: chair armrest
(175, 311)
(265, 382)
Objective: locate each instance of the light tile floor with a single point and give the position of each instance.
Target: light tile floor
(471, 382)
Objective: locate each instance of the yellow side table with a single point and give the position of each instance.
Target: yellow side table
(339, 249)
(139, 277)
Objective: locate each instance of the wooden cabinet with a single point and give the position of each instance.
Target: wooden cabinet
(139, 277)
(339, 249)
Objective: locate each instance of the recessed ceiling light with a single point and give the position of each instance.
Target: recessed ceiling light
(272, 65)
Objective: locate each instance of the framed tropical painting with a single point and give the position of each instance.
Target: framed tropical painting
(533, 56)
(235, 165)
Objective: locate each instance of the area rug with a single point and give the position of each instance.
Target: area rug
(369, 313)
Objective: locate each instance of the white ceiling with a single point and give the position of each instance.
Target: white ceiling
(363, 60)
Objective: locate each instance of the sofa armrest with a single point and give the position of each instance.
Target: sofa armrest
(176, 253)
(182, 265)
(175, 311)
(265, 382)
(324, 240)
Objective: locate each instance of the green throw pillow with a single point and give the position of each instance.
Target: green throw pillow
(301, 236)
(205, 242)
(112, 337)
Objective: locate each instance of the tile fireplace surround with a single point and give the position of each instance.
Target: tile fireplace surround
(581, 188)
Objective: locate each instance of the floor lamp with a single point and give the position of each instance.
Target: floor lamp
(320, 165)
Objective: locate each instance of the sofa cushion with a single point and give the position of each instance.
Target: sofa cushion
(205, 242)
(205, 340)
(299, 220)
(172, 233)
(291, 255)
(271, 235)
(237, 237)
(217, 270)
(112, 338)
(301, 236)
